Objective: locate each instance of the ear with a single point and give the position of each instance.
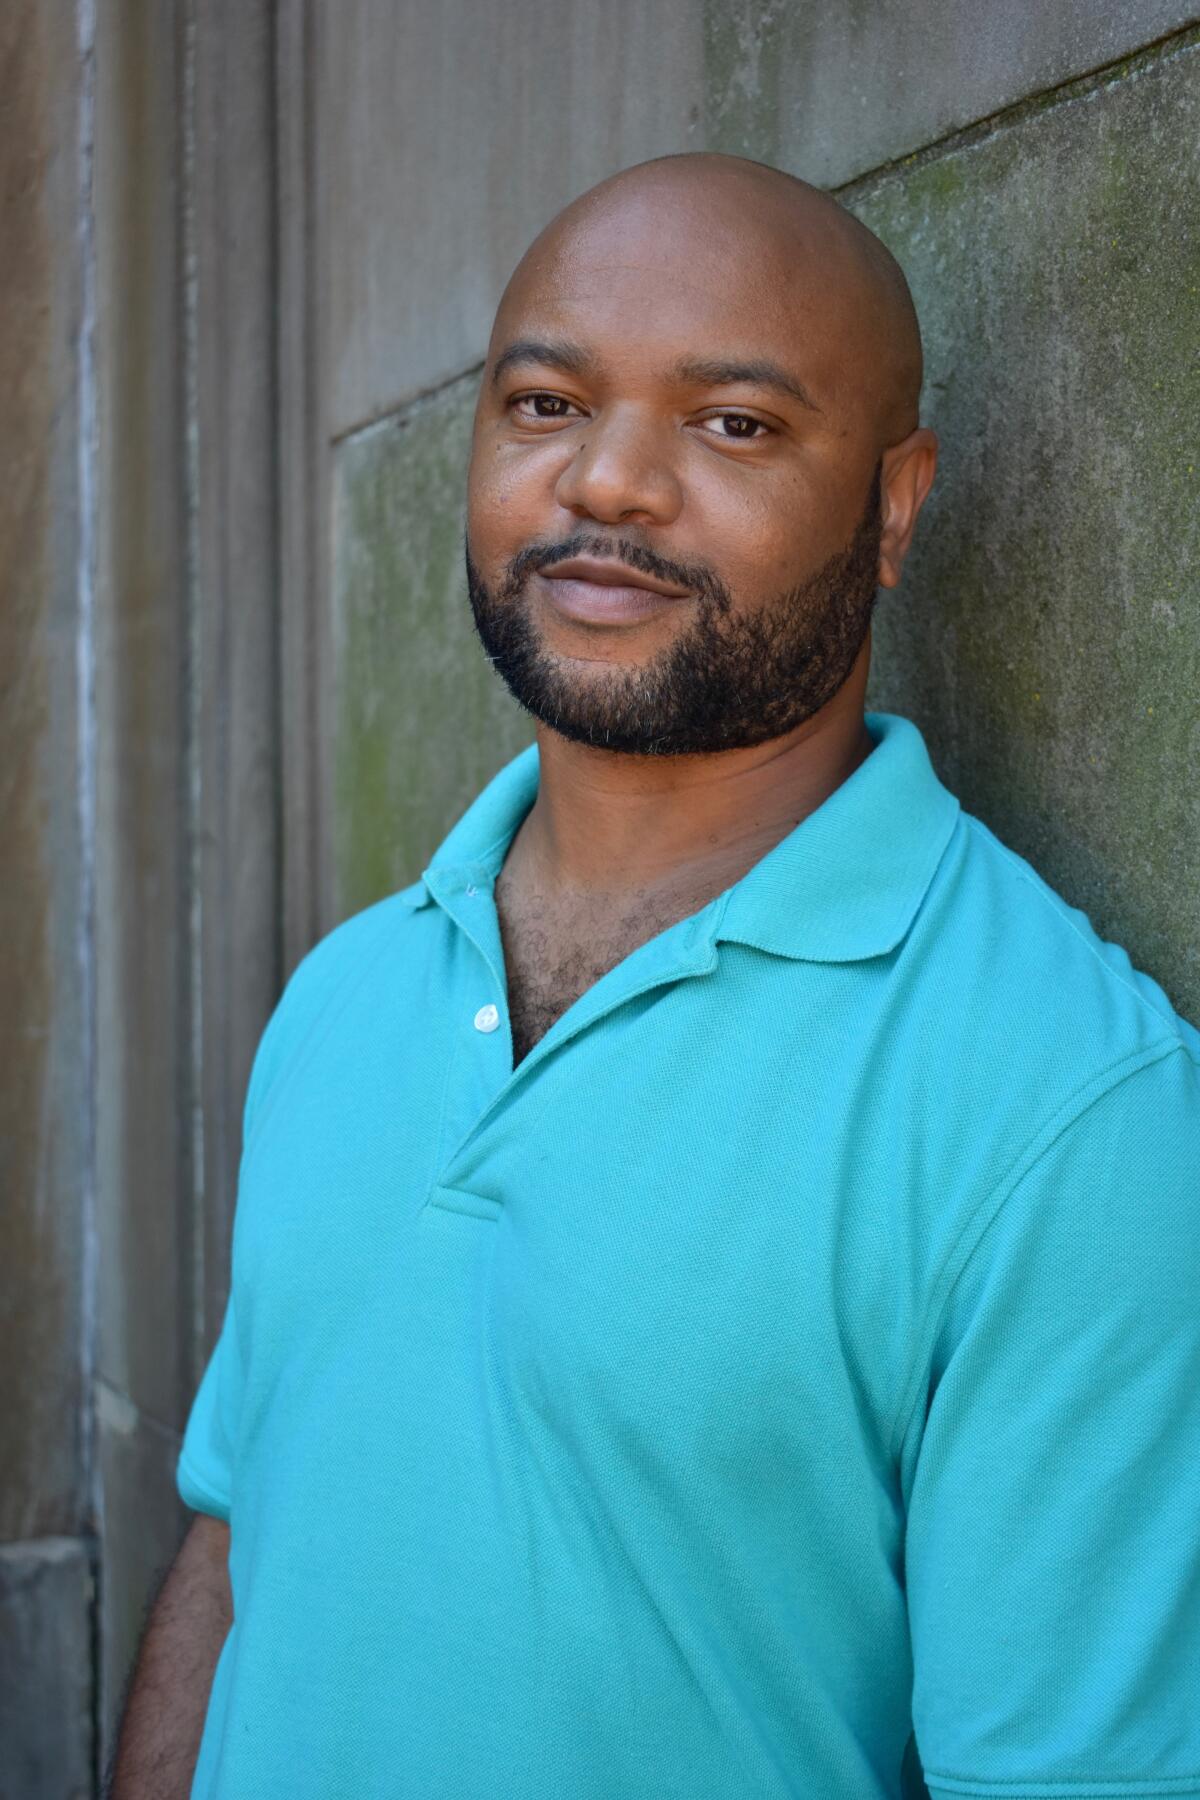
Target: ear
(908, 471)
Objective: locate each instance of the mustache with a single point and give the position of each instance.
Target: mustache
(541, 556)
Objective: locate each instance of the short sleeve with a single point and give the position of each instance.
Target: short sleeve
(205, 1471)
(204, 1475)
(1052, 1552)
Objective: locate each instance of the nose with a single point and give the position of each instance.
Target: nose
(622, 469)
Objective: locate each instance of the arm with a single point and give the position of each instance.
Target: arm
(1053, 1548)
(160, 1733)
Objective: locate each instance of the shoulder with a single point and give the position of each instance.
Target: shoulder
(1010, 888)
(1030, 974)
(326, 977)
(1023, 1018)
(1057, 1100)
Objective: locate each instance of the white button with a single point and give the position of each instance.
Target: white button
(487, 1018)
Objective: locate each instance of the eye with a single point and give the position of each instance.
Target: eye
(737, 427)
(531, 407)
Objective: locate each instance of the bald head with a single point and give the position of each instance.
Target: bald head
(785, 244)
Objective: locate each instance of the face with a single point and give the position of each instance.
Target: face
(676, 401)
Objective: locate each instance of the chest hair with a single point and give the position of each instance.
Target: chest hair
(554, 953)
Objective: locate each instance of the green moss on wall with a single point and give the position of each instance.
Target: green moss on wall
(422, 721)
(1047, 637)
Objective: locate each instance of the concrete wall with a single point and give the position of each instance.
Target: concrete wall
(251, 253)
(1034, 168)
(1048, 636)
(139, 800)
(187, 911)
(46, 1555)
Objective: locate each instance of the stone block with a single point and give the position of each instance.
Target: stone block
(831, 91)
(45, 1670)
(141, 686)
(421, 719)
(44, 1041)
(237, 752)
(1047, 635)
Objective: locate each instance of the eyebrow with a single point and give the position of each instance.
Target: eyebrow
(708, 371)
(702, 371)
(552, 354)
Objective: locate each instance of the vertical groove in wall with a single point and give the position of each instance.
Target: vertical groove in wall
(298, 431)
(85, 589)
(193, 1283)
(88, 451)
(275, 286)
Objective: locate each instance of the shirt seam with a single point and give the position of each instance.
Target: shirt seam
(978, 1224)
(1032, 880)
(1078, 1788)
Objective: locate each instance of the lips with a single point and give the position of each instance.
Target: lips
(605, 573)
(602, 590)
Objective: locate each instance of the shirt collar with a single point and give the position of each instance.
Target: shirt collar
(474, 849)
(844, 885)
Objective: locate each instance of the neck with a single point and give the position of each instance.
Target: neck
(607, 825)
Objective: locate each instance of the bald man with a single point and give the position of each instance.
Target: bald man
(715, 1284)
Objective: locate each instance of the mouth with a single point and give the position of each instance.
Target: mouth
(597, 591)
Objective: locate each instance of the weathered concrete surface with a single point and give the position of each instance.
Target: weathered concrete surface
(235, 607)
(43, 1050)
(1047, 638)
(470, 125)
(831, 91)
(142, 653)
(45, 1670)
(422, 721)
(187, 922)
(144, 1523)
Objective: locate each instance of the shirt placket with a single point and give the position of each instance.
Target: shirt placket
(466, 895)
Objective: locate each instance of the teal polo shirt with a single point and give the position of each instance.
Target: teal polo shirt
(788, 1376)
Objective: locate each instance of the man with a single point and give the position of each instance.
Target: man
(715, 1280)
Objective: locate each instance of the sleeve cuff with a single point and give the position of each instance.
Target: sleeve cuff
(198, 1493)
(953, 1787)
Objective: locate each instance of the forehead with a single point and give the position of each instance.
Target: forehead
(657, 276)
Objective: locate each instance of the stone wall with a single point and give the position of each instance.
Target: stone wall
(1048, 636)
(250, 257)
(47, 1561)
(139, 798)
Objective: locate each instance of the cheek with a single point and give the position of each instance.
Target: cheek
(489, 511)
(761, 539)
(775, 533)
(505, 507)
(754, 521)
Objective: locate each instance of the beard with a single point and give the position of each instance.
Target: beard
(729, 680)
